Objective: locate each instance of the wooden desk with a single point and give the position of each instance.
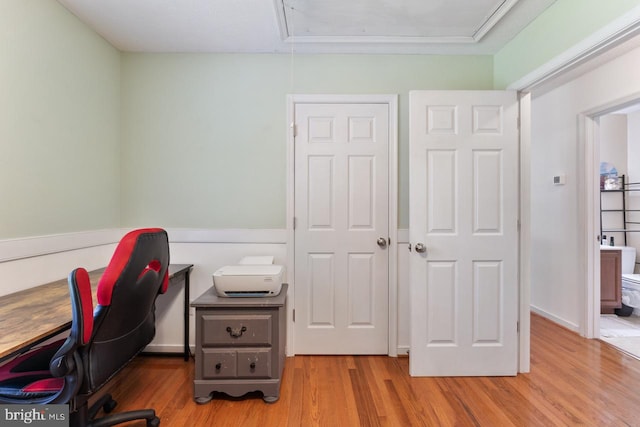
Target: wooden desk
(34, 315)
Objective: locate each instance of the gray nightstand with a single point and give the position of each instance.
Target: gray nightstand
(239, 345)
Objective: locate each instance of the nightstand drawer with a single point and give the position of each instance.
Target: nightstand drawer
(254, 363)
(234, 330)
(218, 364)
(249, 363)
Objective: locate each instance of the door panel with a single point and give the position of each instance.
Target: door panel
(321, 290)
(487, 204)
(464, 209)
(341, 209)
(320, 211)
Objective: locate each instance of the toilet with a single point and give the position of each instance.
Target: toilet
(629, 280)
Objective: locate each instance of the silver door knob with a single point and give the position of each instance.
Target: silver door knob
(420, 248)
(382, 242)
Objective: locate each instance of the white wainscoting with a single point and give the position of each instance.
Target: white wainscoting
(207, 250)
(32, 261)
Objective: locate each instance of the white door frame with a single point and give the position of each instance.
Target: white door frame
(392, 102)
(589, 203)
(524, 265)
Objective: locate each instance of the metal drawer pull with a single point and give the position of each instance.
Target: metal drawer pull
(236, 332)
(218, 366)
(253, 365)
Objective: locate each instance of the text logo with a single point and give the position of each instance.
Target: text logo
(34, 415)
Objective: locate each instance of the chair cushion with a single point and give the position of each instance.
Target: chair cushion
(29, 387)
(35, 360)
(28, 375)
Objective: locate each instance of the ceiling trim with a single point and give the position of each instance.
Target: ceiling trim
(378, 40)
(492, 20)
(278, 6)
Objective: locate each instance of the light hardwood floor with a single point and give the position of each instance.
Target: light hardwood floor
(573, 381)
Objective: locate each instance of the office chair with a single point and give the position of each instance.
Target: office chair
(102, 343)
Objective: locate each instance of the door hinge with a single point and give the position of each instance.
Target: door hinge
(295, 222)
(294, 314)
(518, 225)
(518, 121)
(518, 326)
(294, 129)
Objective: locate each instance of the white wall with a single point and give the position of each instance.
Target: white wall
(558, 261)
(633, 198)
(613, 141)
(613, 150)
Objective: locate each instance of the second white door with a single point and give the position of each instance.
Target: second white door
(463, 227)
(341, 231)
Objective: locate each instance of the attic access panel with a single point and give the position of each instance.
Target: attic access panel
(437, 21)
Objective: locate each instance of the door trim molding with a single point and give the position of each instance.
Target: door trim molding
(392, 101)
(524, 267)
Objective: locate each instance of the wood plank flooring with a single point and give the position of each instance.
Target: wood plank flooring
(573, 381)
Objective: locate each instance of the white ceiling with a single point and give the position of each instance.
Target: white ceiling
(308, 26)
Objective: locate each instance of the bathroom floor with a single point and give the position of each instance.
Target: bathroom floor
(621, 332)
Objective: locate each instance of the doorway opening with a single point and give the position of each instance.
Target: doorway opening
(612, 201)
(619, 213)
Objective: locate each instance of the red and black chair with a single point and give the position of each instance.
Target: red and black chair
(101, 342)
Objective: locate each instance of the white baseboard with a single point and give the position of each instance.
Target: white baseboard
(403, 350)
(569, 325)
(167, 348)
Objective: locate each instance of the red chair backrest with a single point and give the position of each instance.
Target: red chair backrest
(124, 320)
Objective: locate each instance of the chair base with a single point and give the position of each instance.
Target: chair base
(85, 416)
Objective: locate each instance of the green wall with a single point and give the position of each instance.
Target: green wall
(59, 123)
(561, 26)
(208, 131)
(92, 138)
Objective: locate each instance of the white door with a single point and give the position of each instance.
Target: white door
(341, 231)
(464, 214)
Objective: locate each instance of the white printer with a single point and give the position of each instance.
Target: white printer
(254, 276)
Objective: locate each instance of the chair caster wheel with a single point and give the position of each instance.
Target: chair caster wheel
(154, 422)
(109, 406)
